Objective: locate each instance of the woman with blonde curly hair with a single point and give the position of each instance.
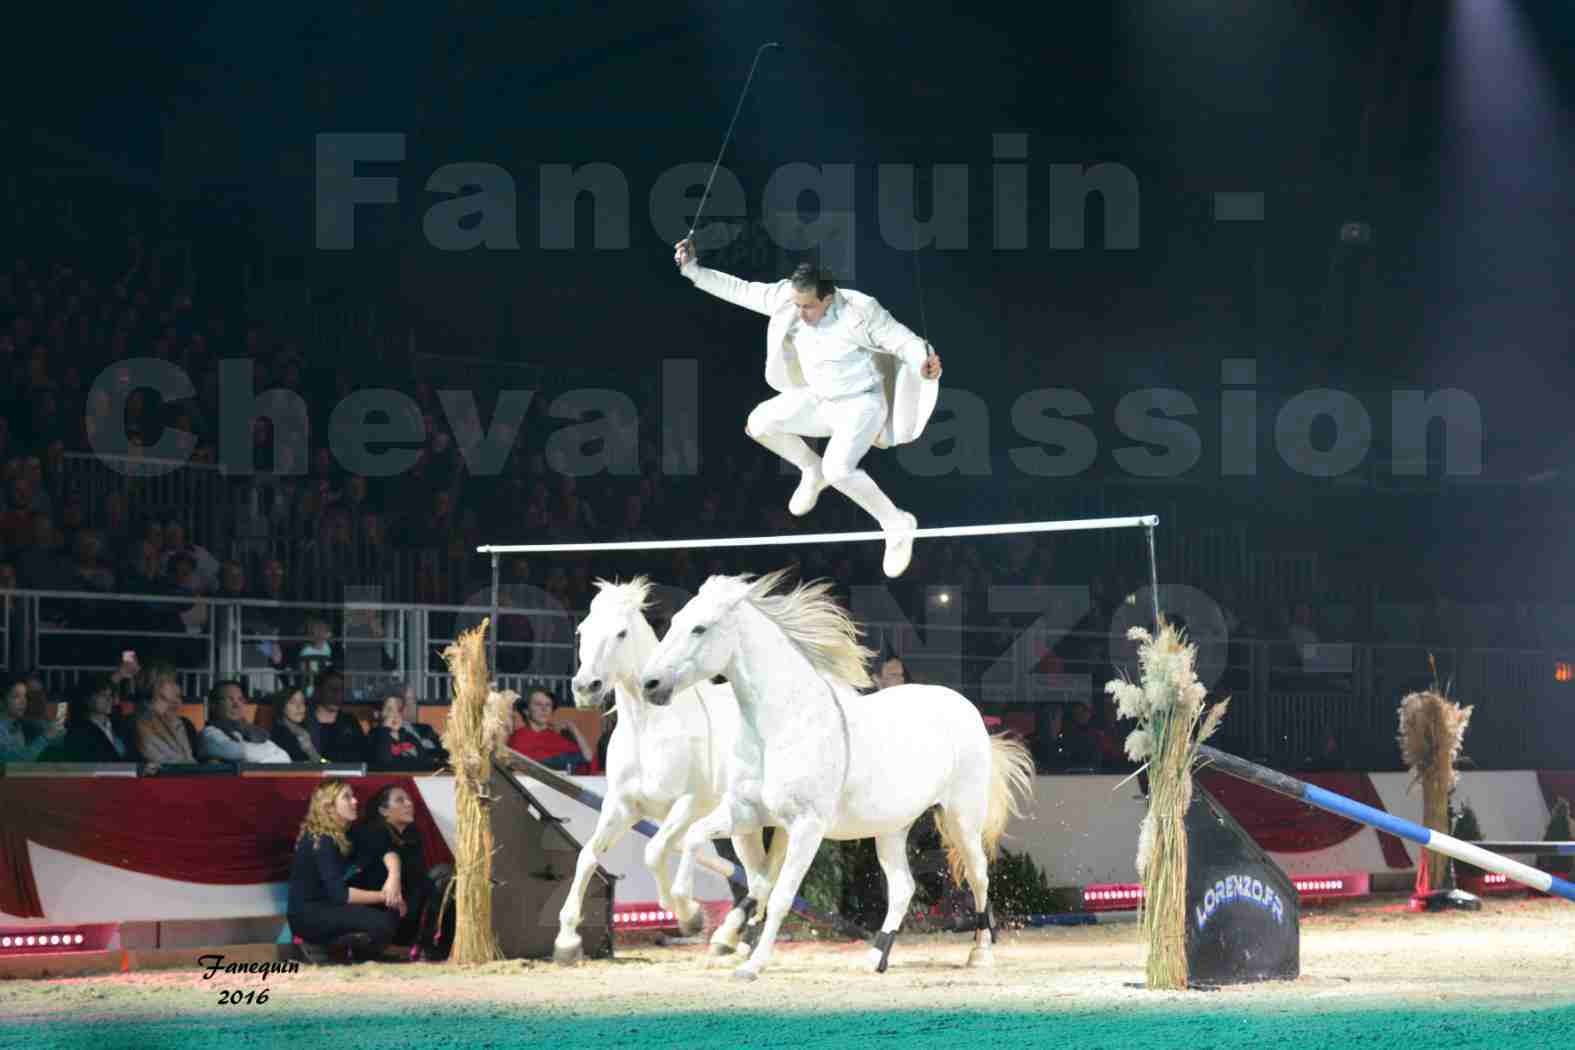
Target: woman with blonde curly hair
(324, 909)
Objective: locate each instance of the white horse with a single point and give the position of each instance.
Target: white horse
(664, 764)
(821, 761)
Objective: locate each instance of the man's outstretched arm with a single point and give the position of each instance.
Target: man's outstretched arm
(891, 336)
(751, 295)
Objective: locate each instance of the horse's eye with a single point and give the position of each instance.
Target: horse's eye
(622, 635)
(698, 630)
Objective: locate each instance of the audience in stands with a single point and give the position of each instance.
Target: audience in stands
(892, 672)
(393, 745)
(336, 731)
(536, 738)
(23, 739)
(431, 743)
(368, 652)
(93, 734)
(1084, 744)
(229, 735)
(162, 736)
(290, 729)
(317, 654)
(388, 858)
(324, 909)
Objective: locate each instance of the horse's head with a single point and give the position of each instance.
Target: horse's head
(699, 644)
(614, 638)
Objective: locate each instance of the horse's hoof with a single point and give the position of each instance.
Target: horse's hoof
(567, 954)
(720, 951)
(744, 973)
(694, 925)
(983, 958)
(872, 960)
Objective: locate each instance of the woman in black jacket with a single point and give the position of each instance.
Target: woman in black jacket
(389, 859)
(324, 907)
(92, 734)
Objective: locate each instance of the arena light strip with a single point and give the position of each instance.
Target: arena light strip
(1011, 528)
(19, 942)
(1124, 896)
(638, 917)
(1493, 882)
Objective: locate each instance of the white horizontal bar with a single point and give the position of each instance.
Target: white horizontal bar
(792, 540)
(1471, 853)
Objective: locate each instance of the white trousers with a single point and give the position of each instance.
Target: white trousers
(852, 424)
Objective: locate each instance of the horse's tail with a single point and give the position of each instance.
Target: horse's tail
(1011, 782)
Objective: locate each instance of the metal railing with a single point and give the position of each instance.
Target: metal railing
(1290, 704)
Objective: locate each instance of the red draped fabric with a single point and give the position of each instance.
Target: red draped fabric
(228, 831)
(1284, 825)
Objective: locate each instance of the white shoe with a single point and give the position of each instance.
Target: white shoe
(807, 494)
(899, 549)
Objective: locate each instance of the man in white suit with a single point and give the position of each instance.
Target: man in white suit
(844, 369)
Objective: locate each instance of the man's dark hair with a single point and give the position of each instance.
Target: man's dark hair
(216, 690)
(808, 276)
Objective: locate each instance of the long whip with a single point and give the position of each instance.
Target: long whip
(729, 136)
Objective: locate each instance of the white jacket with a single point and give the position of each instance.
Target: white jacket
(910, 398)
(215, 744)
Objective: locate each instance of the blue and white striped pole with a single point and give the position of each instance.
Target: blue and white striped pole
(1436, 841)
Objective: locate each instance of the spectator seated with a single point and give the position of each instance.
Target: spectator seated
(229, 735)
(93, 733)
(162, 737)
(340, 734)
(23, 739)
(560, 746)
(393, 745)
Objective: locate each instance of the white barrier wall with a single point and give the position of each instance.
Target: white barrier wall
(1079, 829)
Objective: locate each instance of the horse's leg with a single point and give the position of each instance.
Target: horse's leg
(892, 851)
(970, 840)
(751, 852)
(616, 818)
(803, 839)
(691, 919)
(730, 816)
(779, 845)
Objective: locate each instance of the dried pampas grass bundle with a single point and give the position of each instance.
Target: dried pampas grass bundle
(1167, 703)
(478, 725)
(1432, 729)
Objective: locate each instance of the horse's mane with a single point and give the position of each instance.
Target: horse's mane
(636, 592)
(814, 622)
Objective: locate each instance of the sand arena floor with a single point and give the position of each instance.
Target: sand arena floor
(1372, 974)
